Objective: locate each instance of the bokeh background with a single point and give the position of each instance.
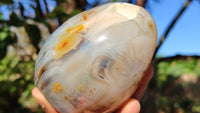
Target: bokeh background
(26, 24)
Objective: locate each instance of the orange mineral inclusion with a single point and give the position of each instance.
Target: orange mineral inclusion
(68, 41)
(57, 87)
(84, 16)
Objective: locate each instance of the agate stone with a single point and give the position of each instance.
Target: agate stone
(95, 60)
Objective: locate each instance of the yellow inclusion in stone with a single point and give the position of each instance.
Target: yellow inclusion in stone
(57, 87)
(80, 87)
(69, 41)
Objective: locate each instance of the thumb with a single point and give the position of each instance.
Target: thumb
(132, 106)
(48, 108)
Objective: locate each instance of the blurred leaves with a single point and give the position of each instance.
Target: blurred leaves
(4, 2)
(24, 26)
(60, 13)
(15, 21)
(57, 12)
(15, 80)
(74, 12)
(6, 38)
(18, 18)
(174, 88)
(168, 71)
(34, 34)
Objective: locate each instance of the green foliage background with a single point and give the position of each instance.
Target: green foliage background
(174, 88)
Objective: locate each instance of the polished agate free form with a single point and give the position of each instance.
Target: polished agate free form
(95, 60)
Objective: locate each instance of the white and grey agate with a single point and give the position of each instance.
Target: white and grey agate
(95, 60)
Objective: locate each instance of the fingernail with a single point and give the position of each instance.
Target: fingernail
(133, 106)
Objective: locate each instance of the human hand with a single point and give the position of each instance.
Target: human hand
(131, 106)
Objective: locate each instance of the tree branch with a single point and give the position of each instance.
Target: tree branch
(129, 1)
(46, 6)
(21, 8)
(141, 3)
(39, 9)
(80, 4)
(171, 26)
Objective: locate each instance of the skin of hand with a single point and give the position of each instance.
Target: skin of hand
(131, 106)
